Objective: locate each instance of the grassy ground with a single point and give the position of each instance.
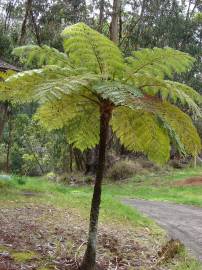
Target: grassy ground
(59, 195)
(161, 187)
(155, 187)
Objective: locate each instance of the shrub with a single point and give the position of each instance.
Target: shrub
(124, 169)
(177, 164)
(88, 179)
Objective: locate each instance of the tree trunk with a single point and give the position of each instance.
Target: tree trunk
(91, 161)
(4, 111)
(114, 26)
(24, 23)
(120, 24)
(78, 159)
(35, 28)
(70, 158)
(34, 154)
(9, 144)
(101, 16)
(89, 261)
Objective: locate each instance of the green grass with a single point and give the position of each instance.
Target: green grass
(186, 262)
(152, 187)
(24, 256)
(160, 187)
(112, 210)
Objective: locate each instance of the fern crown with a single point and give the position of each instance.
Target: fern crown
(71, 86)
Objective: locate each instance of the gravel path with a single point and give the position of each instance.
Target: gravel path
(182, 222)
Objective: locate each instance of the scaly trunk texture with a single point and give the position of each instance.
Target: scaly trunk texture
(89, 261)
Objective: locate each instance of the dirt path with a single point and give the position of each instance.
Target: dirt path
(182, 222)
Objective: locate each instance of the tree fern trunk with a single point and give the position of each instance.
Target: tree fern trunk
(89, 260)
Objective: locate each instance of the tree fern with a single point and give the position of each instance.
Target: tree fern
(92, 87)
(92, 70)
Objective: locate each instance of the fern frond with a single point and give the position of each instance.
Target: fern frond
(139, 131)
(176, 120)
(174, 138)
(80, 132)
(159, 62)
(3, 89)
(55, 114)
(182, 124)
(174, 92)
(185, 89)
(117, 92)
(76, 114)
(33, 55)
(87, 48)
(48, 83)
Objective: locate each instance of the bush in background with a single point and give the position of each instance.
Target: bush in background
(124, 169)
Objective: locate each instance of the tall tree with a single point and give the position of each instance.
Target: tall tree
(101, 15)
(91, 87)
(28, 9)
(114, 26)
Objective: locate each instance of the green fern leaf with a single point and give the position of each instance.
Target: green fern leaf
(76, 114)
(179, 122)
(116, 92)
(139, 131)
(159, 62)
(33, 55)
(87, 48)
(51, 82)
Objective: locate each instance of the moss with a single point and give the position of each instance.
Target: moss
(24, 256)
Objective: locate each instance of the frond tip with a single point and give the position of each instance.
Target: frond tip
(160, 62)
(38, 56)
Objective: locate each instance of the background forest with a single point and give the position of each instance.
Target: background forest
(27, 148)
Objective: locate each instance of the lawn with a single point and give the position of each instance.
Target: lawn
(117, 221)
